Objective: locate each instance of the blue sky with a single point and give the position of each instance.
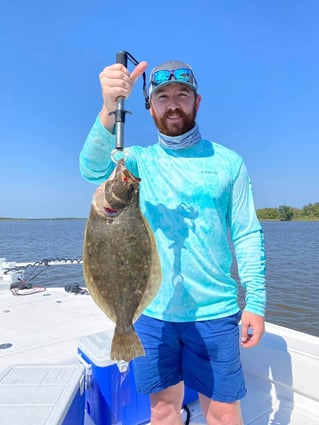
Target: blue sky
(256, 62)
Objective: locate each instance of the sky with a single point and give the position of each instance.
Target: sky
(256, 63)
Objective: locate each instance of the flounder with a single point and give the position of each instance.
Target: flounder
(121, 264)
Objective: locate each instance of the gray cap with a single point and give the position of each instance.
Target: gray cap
(174, 74)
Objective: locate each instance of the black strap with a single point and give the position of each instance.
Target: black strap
(136, 62)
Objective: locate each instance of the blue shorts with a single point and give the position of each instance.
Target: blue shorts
(205, 355)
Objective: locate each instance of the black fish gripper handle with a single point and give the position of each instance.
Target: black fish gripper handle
(121, 57)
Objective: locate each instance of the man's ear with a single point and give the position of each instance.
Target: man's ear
(151, 109)
(198, 100)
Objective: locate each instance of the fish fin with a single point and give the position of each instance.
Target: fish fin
(126, 346)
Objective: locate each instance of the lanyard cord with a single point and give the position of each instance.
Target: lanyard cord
(136, 62)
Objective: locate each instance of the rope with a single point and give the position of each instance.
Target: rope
(46, 262)
(24, 287)
(188, 414)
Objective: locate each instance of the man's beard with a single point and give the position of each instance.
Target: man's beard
(184, 124)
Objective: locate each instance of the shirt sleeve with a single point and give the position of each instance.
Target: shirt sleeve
(95, 158)
(248, 239)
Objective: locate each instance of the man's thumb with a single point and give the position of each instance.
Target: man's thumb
(138, 71)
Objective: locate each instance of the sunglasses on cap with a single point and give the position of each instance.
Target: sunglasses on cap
(183, 75)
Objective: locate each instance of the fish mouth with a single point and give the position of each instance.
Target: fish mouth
(110, 212)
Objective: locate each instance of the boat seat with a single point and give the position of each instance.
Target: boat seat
(279, 380)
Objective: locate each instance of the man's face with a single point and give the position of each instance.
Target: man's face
(174, 108)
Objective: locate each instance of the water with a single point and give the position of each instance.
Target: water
(35, 240)
(292, 263)
(292, 250)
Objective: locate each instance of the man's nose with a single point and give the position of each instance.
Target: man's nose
(173, 103)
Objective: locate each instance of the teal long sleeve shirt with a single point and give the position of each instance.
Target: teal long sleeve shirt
(196, 201)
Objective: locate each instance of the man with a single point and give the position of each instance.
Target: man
(194, 193)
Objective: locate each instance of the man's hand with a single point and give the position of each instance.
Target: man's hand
(115, 81)
(252, 329)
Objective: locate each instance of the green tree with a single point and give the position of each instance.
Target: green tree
(285, 213)
(267, 214)
(311, 210)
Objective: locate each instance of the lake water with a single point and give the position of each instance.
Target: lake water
(292, 263)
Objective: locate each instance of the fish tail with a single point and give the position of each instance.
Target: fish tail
(126, 346)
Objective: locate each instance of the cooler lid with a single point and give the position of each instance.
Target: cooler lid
(38, 394)
(97, 347)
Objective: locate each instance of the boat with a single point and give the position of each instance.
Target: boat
(47, 329)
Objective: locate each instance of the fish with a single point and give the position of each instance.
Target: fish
(121, 264)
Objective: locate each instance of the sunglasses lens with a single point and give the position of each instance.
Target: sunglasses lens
(182, 74)
(161, 76)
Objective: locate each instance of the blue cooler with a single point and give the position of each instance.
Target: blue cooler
(111, 395)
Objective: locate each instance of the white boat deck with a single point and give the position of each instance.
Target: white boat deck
(282, 373)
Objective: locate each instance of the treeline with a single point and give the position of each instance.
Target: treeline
(286, 213)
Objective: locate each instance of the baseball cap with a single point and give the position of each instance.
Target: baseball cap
(170, 72)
